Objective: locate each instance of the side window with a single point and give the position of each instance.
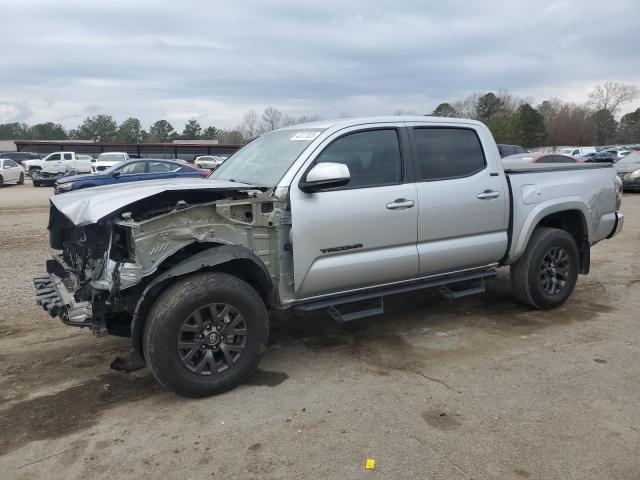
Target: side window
(68, 156)
(444, 152)
(548, 159)
(134, 168)
(10, 163)
(373, 157)
(159, 167)
(54, 157)
(562, 159)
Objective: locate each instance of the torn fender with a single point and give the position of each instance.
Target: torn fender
(201, 261)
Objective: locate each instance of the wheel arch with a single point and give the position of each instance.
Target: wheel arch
(232, 259)
(568, 216)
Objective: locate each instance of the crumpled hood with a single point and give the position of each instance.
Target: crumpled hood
(87, 206)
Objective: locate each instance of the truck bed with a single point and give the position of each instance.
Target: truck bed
(538, 190)
(517, 168)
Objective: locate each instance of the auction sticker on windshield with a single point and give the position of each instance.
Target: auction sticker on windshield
(305, 136)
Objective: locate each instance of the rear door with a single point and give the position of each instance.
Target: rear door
(12, 169)
(160, 170)
(462, 197)
(6, 171)
(363, 234)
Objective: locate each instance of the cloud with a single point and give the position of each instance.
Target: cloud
(175, 60)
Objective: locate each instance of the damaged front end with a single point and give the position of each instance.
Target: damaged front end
(87, 273)
(105, 264)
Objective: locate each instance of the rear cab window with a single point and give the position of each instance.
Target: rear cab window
(447, 152)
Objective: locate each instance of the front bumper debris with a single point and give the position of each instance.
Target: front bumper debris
(47, 296)
(52, 296)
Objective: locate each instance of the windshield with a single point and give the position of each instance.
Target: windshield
(631, 158)
(110, 157)
(265, 160)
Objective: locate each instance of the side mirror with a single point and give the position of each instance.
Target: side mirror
(115, 174)
(324, 176)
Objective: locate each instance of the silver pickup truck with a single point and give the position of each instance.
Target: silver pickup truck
(330, 215)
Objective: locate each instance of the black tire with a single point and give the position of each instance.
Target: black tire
(199, 295)
(21, 179)
(547, 272)
(1, 181)
(36, 183)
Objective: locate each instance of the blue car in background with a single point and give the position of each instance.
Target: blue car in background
(130, 171)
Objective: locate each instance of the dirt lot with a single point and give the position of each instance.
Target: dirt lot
(480, 387)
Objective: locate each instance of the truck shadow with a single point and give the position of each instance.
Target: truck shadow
(495, 312)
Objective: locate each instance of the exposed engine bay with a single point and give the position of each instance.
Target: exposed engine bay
(103, 268)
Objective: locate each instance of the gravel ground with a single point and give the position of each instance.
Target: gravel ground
(480, 387)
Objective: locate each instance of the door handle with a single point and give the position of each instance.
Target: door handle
(400, 203)
(488, 195)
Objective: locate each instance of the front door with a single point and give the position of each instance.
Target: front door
(463, 201)
(132, 172)
(363, 234)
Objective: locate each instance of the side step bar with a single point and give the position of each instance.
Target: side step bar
(450, 287)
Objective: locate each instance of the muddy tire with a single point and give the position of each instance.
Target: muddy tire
(547, 272)
(205, 334)
(21, 179)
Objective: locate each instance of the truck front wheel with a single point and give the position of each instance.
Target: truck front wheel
(205, 334)
(547, 272)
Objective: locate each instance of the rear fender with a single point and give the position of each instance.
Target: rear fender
(543, 210)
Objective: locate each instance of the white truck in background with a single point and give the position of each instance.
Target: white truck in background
(54, 162)
(579, 151)
(47, 170)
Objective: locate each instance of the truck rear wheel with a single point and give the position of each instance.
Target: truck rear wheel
(205, 334)
(547, 272)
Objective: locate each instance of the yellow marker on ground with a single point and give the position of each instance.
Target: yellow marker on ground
(370, 464)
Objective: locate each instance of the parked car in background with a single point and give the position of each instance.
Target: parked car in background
(10, 172)
(628, 169)
(541, 157)
(130, 171)
(59, 161)
(107, 160)
(506, 150)
(209, 161)
(618, 153)
(582, 151)
(601, 157)
(20, 157)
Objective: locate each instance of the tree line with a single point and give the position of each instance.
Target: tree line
(553, 122)
(510, 118)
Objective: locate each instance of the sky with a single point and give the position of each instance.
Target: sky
(64, 60)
